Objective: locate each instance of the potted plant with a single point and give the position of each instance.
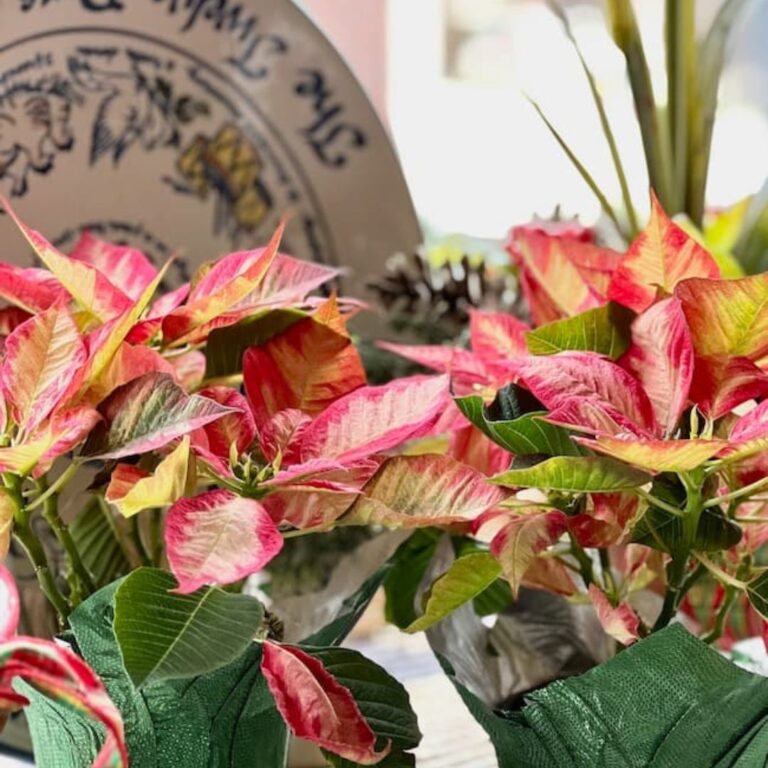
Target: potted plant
(634, 409)
(211, 423)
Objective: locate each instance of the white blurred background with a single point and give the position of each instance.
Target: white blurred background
(449, 76)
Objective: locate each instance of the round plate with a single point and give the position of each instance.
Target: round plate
(191, 127)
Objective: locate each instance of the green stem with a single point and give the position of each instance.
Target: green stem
(605, 565)
(304, 532)
(722, 614)
(155, 537)
(138, 542)
(678, 583)
(83, 580)
(32, 547)
(741, 493)
(53, 489)
(654, 502)
(584, 561)
(681, 46)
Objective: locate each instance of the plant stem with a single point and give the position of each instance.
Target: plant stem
(582, 558)
(32, 547)
(654, 502)
(155, 538)
(747, 490)
(64, 537)
(138, 542)
(50, 490)
(678, 583)
(605, 565)
(681, 49)
(722, 614)
(304, 532)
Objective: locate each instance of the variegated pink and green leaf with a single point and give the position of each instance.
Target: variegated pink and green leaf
(316, 706)
(148, 413)
(63, 432)
(619, 621)
(375, 419)
(557, 379)
(56, 672)
(132, 489)
(220, 291)
(656, 455)
(661, 357)
(128, 269)
(727, 317)
(96, 298)
(31, 289)
(233, 432)
(218, 538)
(42, 357)
(723, 383)
(517, 545)
(560, 276)
(416, 491)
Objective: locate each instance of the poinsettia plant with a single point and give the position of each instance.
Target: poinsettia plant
(209, 422)
(633, 412)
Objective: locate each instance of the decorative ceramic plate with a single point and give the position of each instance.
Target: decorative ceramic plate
(191, 127)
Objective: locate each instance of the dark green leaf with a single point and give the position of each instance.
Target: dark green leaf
(96, 536)
(163, 635)
(757, 591)
(226, 346)
(604, 330)
(525, 434)
(571, 474)
(220, 720)
(410, 563)
(350, 611)
(662, 530)
(494, 599)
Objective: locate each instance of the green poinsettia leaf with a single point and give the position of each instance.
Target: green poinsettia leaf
(662, 530)
(637, 709)
(96, 536)
(226, 346)
(409, 565)
(468, 577)
(757, 592)
(659, 529)
(494, 599)
(163, 635)
(522, 434)
(605, 330)
(350, 611)
(571, 474)
(219, 719)
(382, 700)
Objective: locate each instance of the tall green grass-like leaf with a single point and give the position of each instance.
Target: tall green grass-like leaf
(711, 57)
(680, 38)
(605, 125)
(583, 172)
(656, 144)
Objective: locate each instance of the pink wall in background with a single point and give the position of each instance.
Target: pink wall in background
(358, 28)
